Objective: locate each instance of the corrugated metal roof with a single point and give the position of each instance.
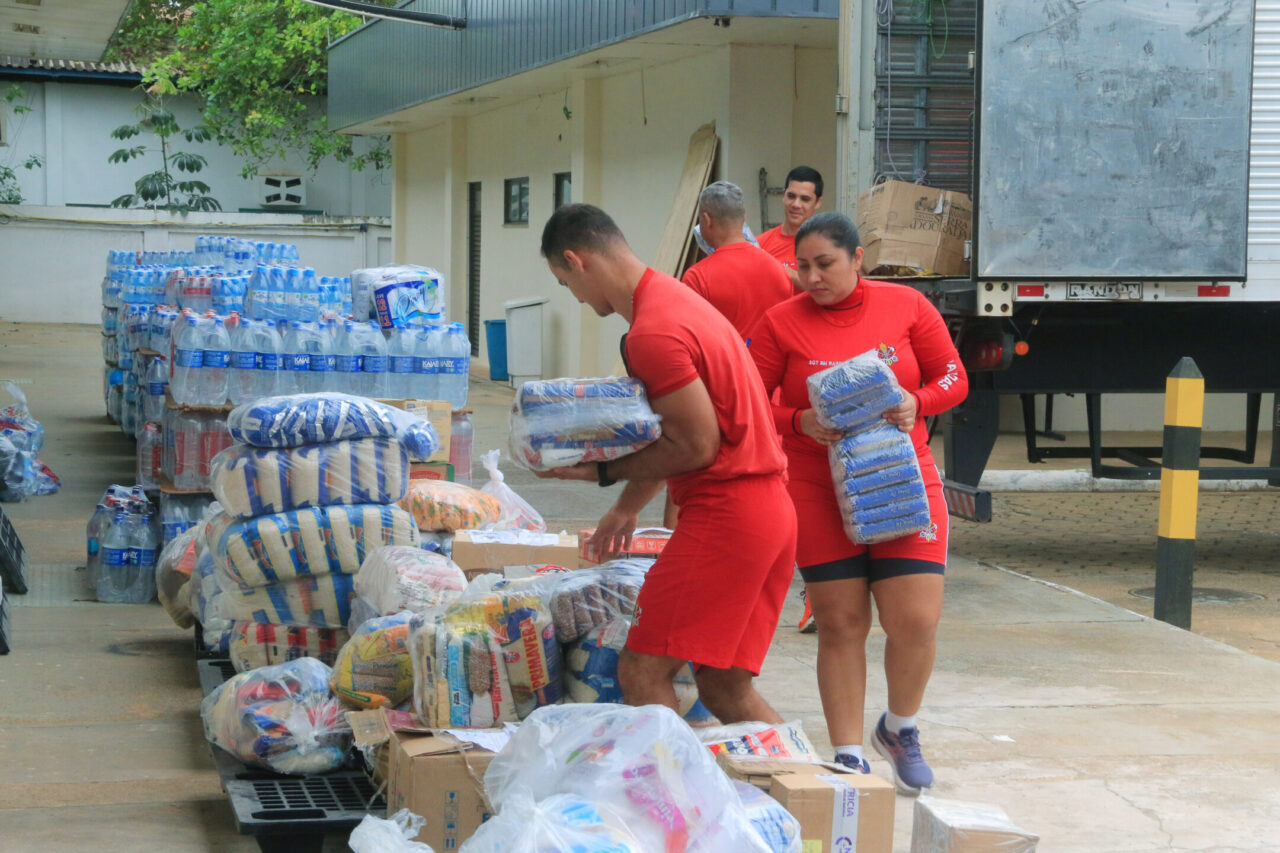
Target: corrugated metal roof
(124, 69)
(386, 66)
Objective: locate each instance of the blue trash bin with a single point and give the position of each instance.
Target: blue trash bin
(495, 332)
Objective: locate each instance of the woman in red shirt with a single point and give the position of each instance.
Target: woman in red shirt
(841, 315)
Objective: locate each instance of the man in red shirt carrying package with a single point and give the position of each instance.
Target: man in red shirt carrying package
(801, 198)
(715, 594)
(740, 280)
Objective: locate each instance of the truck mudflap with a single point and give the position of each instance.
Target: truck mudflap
(967, 502)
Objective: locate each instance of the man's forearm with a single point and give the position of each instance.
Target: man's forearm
(637, 494)
(660, 460)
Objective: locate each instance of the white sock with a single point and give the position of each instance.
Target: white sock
(854, 749)
(895, 724)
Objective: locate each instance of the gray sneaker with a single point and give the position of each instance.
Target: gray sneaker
(857, 765)
(902, 750)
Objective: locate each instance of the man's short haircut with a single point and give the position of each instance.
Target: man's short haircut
(805, 174)
(578, 226)
(722, 201)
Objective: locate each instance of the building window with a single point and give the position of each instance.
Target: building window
(517, 201)
(564, 188)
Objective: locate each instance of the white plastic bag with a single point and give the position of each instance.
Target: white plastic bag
(517, 514)
(776, 826)
(393, 835)
(561, 822)
(643, 765)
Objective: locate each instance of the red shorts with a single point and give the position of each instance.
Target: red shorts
(821, 539)
(715, 594)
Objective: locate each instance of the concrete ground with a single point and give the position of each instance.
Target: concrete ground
(1092, 725)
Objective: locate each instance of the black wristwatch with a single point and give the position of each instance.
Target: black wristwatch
(602, 474)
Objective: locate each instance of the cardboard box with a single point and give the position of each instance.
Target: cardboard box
(760, 772)
(436, 412)
(430, 471)
(441, 779)
(950, 826)
(477, 551)
(838, 813)
(647, 542)
(908, 229)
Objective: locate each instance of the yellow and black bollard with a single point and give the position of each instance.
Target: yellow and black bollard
(1179, 493)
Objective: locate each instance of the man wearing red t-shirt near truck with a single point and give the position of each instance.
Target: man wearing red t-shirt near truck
(715, 594)
(801, 198)
(740, 280)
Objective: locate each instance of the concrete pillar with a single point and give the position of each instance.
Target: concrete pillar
(54, 193)
(586, 158)
(455, 214)
(399, 195)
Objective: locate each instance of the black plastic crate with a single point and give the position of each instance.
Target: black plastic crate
(289, 814)
(13, 559)
(5, 628)
(213, 672)
(201, 652)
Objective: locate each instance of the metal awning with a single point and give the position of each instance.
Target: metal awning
(59, 29)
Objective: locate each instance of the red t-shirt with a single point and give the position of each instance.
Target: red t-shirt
(677, 337)
(799, 338)
(741, 282)
(779, 245)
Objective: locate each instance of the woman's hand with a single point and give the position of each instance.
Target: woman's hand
(903, 415)
(808, 422)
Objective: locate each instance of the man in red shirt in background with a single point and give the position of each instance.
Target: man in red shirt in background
(740, 280)
(801, 198)
(715, 594)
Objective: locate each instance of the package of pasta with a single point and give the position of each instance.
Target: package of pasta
(298, 419)
(442, 506)
(174, 567)
(401, 577)
(282, 718)
(322, 601)
(459, 674)
(855, 393)
(556, 423)
(584, 599)
(878, 485)
(253, 645)
(250, 481)
(374, 669)
(305, 542)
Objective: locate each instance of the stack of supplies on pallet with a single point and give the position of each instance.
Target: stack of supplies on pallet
(556, 423)
(874, 466)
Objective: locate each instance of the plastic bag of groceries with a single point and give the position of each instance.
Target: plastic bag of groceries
(643, 765)
(587, 598)
(556, 423)
(294, 420)
(252, 645)
(591, 669)
(517, 513)
(174, 568)
(442, 506)
(769, 818)
(763, 740)
(401, 577)
(374, 670)
(282, 718)
(561, 822)
(249, 481)
(390, 835)
(22, 475)
(491, 658)
(878, 485)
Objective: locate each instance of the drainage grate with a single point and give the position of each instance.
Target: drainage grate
(1204, 595)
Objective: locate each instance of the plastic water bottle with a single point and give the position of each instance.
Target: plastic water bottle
(275, 293)
(320, 369)
(150, 447)
(428, 354)
(127, 574)
(188, 358)
(217, 359)
(455, 376)
(266, 358)
(344, 292)
(310, 296)
(94, 532)
(345, 364)
(400, 357)
(371, 351)
(116, 556)
(242, 376)
(293, 294)
(461, 442)
(296, 361)
(157, 384)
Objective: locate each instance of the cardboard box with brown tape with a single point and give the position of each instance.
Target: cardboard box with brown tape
(441, 779)
(909, 229)
(480, 551)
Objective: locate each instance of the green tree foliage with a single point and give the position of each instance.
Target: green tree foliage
(147, 30)
(161, 190)
(15, 98)
(259, 66)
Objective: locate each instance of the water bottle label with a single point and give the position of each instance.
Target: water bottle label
(217, 358)
(156, 389)
(266, 361)
(297, 361)
(244, 360)
(329, 362)
(455, 366)
(115, 556)
(319, 363)
(374, 364)
(428, 365)
(402, 364)
(346, 364)
(145, 557)
(94, 547)
(189, 358)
